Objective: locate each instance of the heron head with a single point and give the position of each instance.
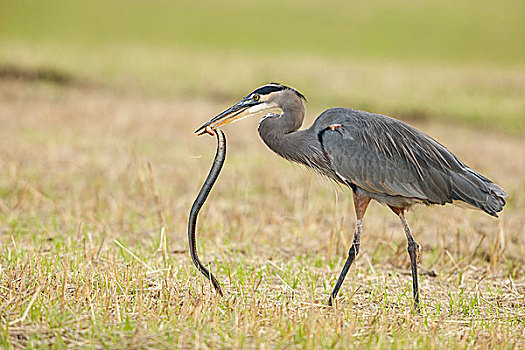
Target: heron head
(266, 99)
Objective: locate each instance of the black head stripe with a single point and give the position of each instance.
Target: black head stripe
(300, 95)
(267, 89)
(274, 87)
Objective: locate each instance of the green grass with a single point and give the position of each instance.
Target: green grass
(85, 262)
(466, 31)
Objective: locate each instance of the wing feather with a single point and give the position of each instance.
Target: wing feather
(387, 157)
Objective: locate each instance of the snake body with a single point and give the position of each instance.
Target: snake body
(220, 157)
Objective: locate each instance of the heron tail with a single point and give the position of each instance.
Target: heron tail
(478, 191)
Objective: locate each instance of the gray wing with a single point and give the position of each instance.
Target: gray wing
(385, 156)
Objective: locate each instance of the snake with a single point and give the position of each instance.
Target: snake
(218, 162)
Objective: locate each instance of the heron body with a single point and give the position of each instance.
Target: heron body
(378, 157)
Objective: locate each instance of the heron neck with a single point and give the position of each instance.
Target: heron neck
(280, 134)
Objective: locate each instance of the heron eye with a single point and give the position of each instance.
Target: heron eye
(256, 97)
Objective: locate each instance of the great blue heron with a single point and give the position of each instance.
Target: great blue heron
(378, 157)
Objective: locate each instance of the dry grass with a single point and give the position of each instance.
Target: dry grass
(486, 96)
(85, 261)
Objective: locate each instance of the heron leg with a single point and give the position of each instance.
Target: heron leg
(414, 251)
(360, 203)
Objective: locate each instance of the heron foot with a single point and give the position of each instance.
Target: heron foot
(334, 127)
(352, 253)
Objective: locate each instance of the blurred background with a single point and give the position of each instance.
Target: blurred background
(459, 61)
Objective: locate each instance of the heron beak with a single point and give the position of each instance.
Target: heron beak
(235, 112)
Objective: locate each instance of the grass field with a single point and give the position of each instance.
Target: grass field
(89, 178)
(99, 167)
